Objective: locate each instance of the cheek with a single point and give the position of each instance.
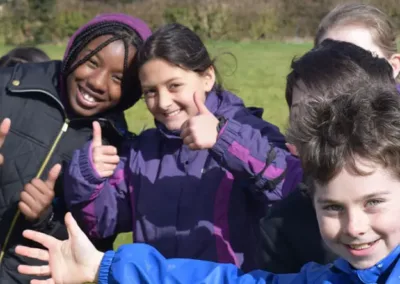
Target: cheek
(329, 227)
(70, 85)
(150, 104)
(387, 223)
(115, 93)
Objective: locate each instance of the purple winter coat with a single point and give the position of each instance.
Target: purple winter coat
(187, 204)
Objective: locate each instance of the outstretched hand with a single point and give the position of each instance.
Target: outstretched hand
(72, 261)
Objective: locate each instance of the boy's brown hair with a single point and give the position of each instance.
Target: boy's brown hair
(334, 130)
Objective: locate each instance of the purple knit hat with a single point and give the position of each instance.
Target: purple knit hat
(136, 24)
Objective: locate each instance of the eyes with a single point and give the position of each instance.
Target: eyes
(369, 205)
(92, 63)
(152, 92)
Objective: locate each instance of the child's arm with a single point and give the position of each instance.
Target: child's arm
(249, 155)
(102, 205)
(140, 263)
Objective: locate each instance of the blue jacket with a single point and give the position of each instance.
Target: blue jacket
(139, 263)
(188, 204)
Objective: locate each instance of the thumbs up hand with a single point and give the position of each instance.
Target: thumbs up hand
(37, 195)
(104, 158)
(200, 131)
(4, 129)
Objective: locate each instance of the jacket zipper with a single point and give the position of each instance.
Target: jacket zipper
(63, 129)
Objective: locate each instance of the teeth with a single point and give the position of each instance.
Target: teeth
(172, 113)
(361, 246)
(88, 97)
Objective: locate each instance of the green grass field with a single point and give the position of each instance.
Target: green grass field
(259, 79)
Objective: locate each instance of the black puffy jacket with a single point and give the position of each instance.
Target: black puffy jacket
(290, 235)
(41, 135)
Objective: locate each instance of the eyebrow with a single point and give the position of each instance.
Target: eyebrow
(88, 50)
(365, 197)
(163, 83)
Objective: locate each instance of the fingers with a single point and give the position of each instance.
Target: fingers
(35, 253)
(105, 160)
(53, 176)
(292, 149)
(199, 100)
(104, 151)
(97, 139)
(32, 197)
(43, 239)
(4, 129)
(28, 212)
(35, 198)
(43, 270)
(48, 281)
(72, 227)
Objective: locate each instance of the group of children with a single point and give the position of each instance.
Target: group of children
(213, 193)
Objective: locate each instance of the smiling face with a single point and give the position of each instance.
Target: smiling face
(95, 86)
(168, 91)
(358, 215)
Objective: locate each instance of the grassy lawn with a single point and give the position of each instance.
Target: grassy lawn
(259, 79)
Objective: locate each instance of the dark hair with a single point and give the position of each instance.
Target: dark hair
(23, 55)
(335, 131)
(337, 66)
(177, 45)
(117, 31)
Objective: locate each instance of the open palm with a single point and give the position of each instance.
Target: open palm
(72, 261)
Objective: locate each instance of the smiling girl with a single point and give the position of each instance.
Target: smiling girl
(52, 106)
(197, 184)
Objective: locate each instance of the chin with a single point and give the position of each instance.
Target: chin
(173, 126)
(83, 112)
(361, 265)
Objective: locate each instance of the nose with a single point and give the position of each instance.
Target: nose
(97, 82)
(356, 223)
(164, 99)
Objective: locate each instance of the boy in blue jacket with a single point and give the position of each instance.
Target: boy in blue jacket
(349, 144)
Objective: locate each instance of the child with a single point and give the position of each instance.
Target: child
(23, 55)
(290, 235)
(193, 185)
(362, 25)
(349, 145)
(51, 106)
(369, 28)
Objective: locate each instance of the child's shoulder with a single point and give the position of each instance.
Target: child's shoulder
(314, 273)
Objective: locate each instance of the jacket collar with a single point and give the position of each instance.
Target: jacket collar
(42, 77)
(46, 78)
(370, 275)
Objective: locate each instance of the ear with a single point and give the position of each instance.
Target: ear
(209, 78)
(395, 63)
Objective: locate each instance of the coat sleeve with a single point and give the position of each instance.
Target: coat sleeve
(250, 156)
(102, 206)
(140, 263)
